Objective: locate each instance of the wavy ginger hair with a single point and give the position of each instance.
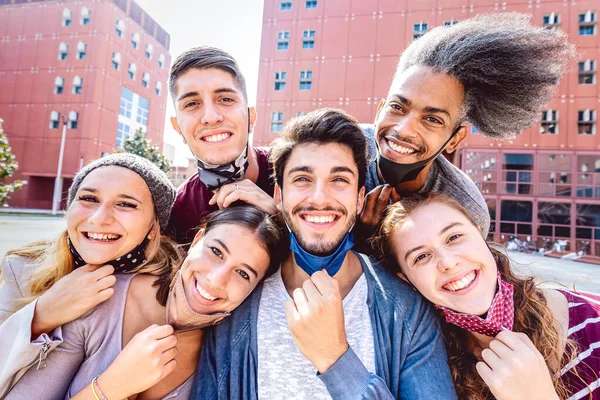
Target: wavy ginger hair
(533, 317)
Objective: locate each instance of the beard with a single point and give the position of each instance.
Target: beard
(315, 245)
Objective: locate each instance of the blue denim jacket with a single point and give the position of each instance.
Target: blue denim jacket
(410, 357)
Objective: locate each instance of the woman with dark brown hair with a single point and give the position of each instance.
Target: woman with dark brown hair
(506, 337)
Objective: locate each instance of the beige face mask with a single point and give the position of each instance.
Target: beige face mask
(179, 313)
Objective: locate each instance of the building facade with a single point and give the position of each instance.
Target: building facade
(100, 67)
(545, 184)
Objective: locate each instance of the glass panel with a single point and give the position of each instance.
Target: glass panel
(518, 161)
(588, 215)
(520, 211)
(554, 213)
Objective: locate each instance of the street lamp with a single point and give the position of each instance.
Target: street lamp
(58, 181)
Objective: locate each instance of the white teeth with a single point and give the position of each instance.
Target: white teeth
(319, 219)
(204, 294)
(461, 283)
(217, 138)
(102, 236)
(400, 149)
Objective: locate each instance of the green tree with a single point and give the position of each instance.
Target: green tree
(138, 144)
(8, 165)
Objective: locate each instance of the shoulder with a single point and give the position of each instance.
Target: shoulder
(262, 153)
(16, 272)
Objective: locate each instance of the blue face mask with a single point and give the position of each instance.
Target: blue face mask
(311, 263)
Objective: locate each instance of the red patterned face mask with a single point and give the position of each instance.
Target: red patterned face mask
(500, 315)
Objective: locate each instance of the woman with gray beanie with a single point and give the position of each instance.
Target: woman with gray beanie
(117, 213)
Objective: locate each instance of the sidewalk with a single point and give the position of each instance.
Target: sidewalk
(29, 212)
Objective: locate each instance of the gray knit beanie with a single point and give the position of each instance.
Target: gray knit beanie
(162, 190)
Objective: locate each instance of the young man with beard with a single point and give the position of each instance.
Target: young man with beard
(493, 71)
(329, 323)
(214, 120)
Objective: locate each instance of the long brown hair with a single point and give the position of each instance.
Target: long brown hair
(533, 317)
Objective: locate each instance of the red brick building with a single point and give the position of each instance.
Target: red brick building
(100, 66)
(342, 53)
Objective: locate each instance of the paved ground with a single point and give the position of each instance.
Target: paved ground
(18, 230)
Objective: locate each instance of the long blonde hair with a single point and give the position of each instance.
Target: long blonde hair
(52, 259)
(533, 317)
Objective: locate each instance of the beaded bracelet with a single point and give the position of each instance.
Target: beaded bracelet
(95, 386)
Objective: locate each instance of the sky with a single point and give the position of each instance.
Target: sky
(233, 25)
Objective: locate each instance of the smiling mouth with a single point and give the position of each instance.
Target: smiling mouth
(219, 137)
(204, 294)
(399, 148)
(462, 283)
(102, 237)
(319, 219)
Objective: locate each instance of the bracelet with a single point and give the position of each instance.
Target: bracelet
(95, 386)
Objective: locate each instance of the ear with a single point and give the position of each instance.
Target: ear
(252, 112)
(379, 107)
(401, 276)
(197, 238)
(175, 125)
(361, 200)
(277, 197)
(461, 135)
(154, 230)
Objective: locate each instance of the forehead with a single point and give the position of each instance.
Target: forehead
(206, 79)
(321, 157)
(431, 219)
(115, 179)
(424, 87)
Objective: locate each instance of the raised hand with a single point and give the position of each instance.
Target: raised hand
(246, 191)
(316, 320)
(514, 369)
(376, 202)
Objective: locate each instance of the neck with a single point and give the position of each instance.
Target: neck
(416, 184)
(253, 170)
(482, 341)
(293, 276)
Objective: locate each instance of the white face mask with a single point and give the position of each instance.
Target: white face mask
(179, 313)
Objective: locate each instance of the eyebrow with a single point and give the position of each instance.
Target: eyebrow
(125, 196)
(335, 170)
(227, 251)
(447, 228)
(428, 109)
(217, 91)
(301, 168)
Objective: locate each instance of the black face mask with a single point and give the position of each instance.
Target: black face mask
(396, 173)
(125, 263)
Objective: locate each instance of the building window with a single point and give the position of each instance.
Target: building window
(554, 176)
(311, 3)
(63, 50)
(588, 176)
(85, 16)
(161, 60)
(554, 219)
(516, 217)
(142, 111)
(587, 72)
(54, 119)
(67, 17)
(280, 77)
(145, 79)
(122, 134)
(132, 70)
(286, 5)
(77, 85)
(158, 88)
(549, 125)
(450, 23)
(516, 173)
(116, 60)
(276, 121)
(283, 40)
(419, 30)
(305, 80)
(149, 51)
(126, 103)
(81, 50)
(73, 117)
(586, 122)
(587, 23)
(59, 84)
(135, 40)
(120, 27)
(551, 20)
(308, 39)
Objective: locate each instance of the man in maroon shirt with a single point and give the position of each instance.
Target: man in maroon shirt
(214, 120)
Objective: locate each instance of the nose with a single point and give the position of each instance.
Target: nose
(406, 125)
(218, 276)
(102, 215)
(211, 114)
(320, 195)
(446, 260)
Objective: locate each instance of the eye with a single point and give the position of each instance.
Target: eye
(420, 258)
(127, 205)
(216, 252)
(227, 100)
(435, 120)
(396, 106)
(243, 274)
(340, 179)
(190, 104)
(301, 179)
(454, 237)
(88, 198)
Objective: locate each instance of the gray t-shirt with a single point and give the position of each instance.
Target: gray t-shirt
(443, 177)
(283, 372)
